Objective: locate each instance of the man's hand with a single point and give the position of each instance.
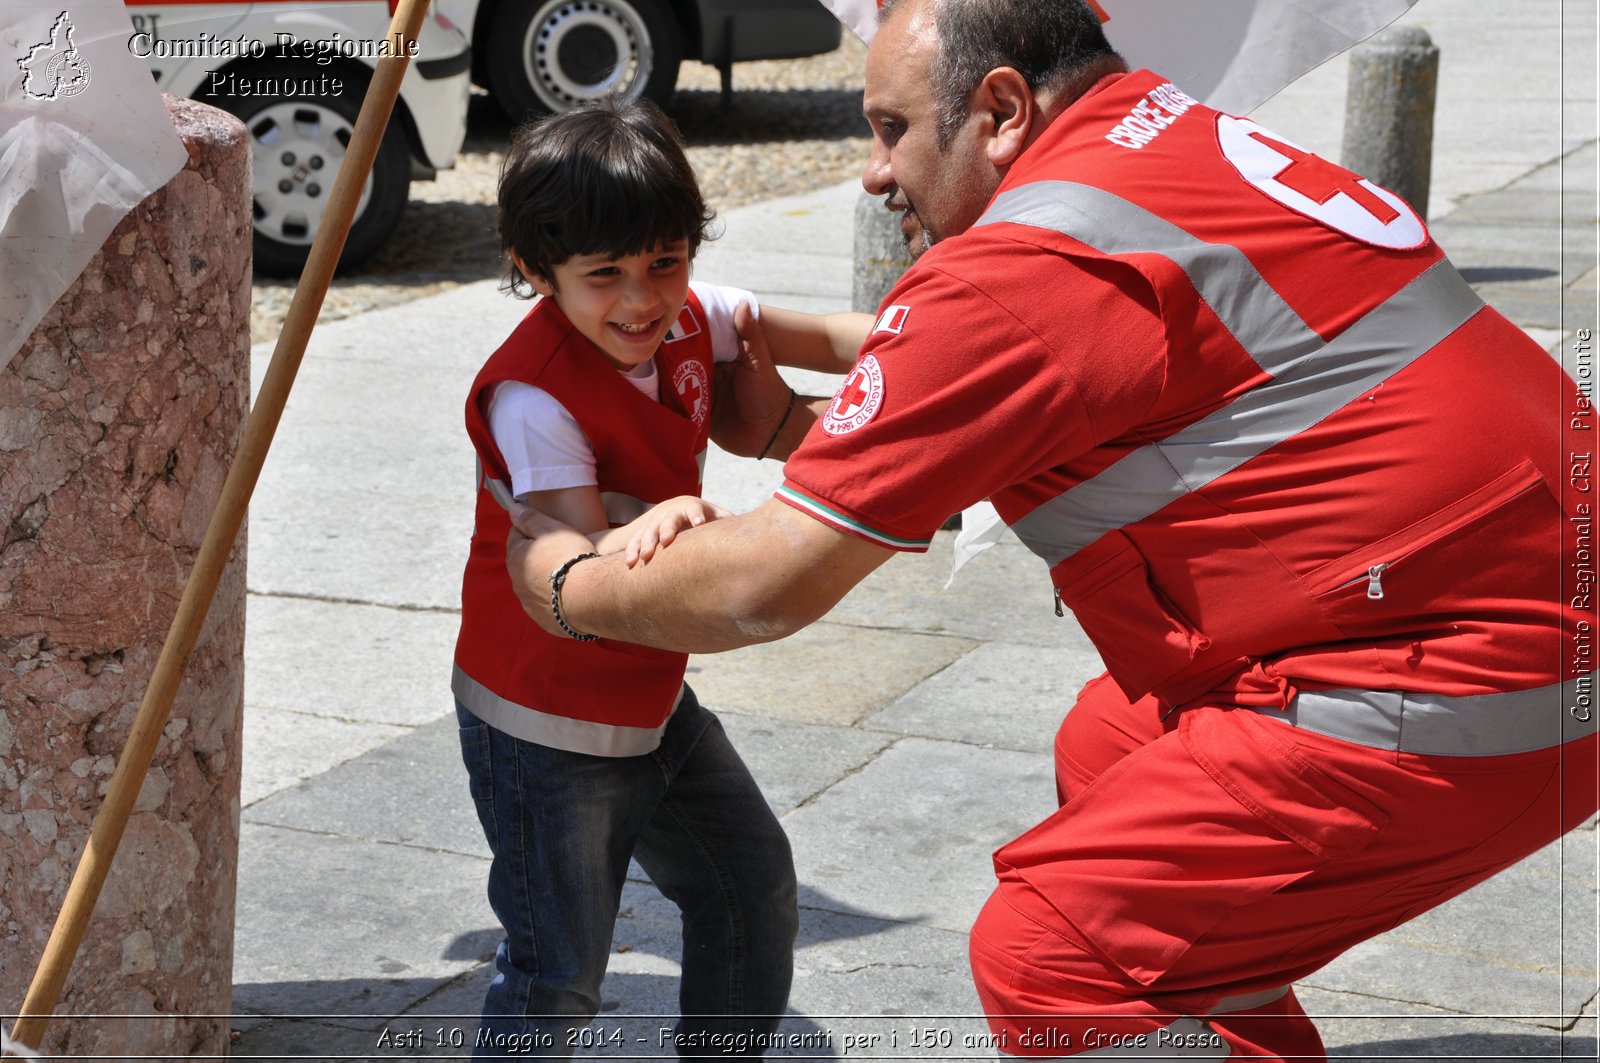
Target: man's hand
(751, 398)
(656, 529)
(544, 545)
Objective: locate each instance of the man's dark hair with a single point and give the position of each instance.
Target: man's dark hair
(609, 178)
(1054, 44)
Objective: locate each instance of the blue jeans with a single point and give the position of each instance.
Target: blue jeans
(562, 826)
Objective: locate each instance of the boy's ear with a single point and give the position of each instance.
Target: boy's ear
(535, 281)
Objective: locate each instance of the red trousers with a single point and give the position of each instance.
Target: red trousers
(1201, 864)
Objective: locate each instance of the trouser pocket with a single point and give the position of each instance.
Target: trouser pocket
(1184, 833)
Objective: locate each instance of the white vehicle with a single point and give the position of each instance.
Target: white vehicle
(538, 56)
(295, 72)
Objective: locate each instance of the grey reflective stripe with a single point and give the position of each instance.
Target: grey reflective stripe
(1248, 1001)
(621, 508)
(501, 491)
(1386, 340)
(548, 729)
(1474, 725)
(1266, 326)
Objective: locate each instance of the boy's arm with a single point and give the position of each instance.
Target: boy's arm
(579, 507)
(654, 529)
(824, 343)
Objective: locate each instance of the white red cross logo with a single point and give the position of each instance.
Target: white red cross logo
(857, 400)
(1318, 189)
(693, 387)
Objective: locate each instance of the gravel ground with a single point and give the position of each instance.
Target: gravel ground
(792, 126)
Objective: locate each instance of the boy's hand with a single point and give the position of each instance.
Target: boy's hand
(751, 398)
(658, 527)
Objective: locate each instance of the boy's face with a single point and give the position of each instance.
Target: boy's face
(624, 306)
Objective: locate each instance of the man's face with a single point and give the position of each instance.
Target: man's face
(940, 190)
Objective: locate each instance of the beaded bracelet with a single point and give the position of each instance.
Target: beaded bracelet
(557, 578)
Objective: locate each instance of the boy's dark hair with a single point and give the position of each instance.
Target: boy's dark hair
(608, 178)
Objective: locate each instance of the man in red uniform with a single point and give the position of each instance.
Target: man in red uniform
(1301, 488)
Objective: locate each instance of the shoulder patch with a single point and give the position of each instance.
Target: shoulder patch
(1313, 186)
(893, 319)
(687, 325)
(858, 399)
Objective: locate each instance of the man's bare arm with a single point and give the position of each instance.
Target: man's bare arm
(735, 582)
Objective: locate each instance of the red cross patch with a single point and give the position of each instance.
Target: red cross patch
(857, 400)
(689, 380)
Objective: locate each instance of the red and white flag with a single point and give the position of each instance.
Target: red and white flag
(1230, 54)
(84, 138)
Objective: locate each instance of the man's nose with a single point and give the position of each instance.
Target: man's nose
(877, 178)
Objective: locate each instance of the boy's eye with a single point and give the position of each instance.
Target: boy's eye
(604, 271)
(666, 262)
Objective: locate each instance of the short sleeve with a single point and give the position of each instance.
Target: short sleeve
(966, 387)
(540, 442)
(719, 301)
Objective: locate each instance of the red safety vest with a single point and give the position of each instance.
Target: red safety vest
(605, 698)
(1351, 478)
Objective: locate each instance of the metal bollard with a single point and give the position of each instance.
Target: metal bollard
(879, 255)
(1388, 115)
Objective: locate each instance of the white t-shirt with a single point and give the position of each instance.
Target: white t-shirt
(541, 443)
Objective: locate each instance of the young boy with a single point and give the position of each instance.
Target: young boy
(584, 754)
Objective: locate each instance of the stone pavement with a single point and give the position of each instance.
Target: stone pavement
(900, 740)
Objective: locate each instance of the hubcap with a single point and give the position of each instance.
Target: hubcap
(583, 50)
(296, 149)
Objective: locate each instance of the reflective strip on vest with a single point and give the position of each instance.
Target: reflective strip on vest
(622, 509)
(500, 491)
(1474, 725)
(1311, 379)
(558, 732)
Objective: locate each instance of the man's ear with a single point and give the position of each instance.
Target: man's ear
(1005, 96)
(538, 283)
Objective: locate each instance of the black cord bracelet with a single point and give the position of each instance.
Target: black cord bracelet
(781, 423)
(557, 578)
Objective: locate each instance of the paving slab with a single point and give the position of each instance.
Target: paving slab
(1001, 695)
(285, 748)
(1519, 945)
(910, 836)
(827, 673)
(1003, 594)
(1358, 1025)
(411, 791)
(349, 661)
(346, 928)
(794, 762)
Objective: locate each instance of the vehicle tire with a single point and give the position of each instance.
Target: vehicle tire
(553, 55)
(296, 144)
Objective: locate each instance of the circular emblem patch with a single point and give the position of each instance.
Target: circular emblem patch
(857, 400)
(689, 380)
(1315, 187)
